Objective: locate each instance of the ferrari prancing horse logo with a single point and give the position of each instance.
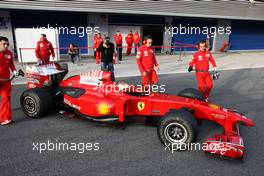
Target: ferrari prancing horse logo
(141, 105)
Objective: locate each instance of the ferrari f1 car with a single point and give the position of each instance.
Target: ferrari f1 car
(95, 96)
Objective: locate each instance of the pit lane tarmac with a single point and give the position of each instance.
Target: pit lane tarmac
(137, 149)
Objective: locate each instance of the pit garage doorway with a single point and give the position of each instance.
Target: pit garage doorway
(157, 33)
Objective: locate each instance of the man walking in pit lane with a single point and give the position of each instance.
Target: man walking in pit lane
(200, 61)
(147, 63)
(6, 64)
(43, 50)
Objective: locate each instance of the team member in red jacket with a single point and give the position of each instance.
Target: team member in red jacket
(43, 50)
(129, 41)
(147, 63)
(118, 41)
(99, 40)
(95, 44)
(6, 64)
(201, 61)
(136, 41)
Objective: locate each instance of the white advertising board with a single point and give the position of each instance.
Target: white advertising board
(26, 42)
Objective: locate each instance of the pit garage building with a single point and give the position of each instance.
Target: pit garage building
(246, 19)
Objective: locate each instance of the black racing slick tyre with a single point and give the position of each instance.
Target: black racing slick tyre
(177, 128)
(192, 93)
(36, 103)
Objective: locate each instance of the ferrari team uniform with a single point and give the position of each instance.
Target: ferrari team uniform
(43, 51)
(146, 61)
(94, 45)
(136, 40)
(129, 41)
(118, 41)
(201, 61)
(98, 56)
(6, 64)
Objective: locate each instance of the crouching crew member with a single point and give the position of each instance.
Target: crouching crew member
(147, 62)
(43, 50)
(201, 61)
(6, 64)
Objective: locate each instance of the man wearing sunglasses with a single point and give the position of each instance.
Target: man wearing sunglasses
(6, 64)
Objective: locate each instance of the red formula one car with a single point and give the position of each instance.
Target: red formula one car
(95, 96)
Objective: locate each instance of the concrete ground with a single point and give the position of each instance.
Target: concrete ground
(168, 64)
(137, 149)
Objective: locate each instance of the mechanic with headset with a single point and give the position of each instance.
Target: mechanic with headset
(201, 61)
(43, 50)
(107, 49)
(147, 62)
(6, 64)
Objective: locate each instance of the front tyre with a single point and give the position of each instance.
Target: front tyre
(177, 128)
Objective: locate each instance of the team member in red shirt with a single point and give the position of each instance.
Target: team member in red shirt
(129, 41)
(147, 63)
(136, 40)
(43, 50)
(6, 64)
(95, 44)
(201, 61)
(118, 41)
(99, 40)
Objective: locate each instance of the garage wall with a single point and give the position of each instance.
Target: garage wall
(191, 37)
(6, 28)
(50, 19)
(237, 9)
(247, 35)
(223, 38)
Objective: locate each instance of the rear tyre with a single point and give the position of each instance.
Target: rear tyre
(192, 93)
(36, 103)
(178, 128)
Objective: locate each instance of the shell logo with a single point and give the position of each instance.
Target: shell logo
(103, 108)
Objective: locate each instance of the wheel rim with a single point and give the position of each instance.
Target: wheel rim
(29, 105)
(175, 133)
